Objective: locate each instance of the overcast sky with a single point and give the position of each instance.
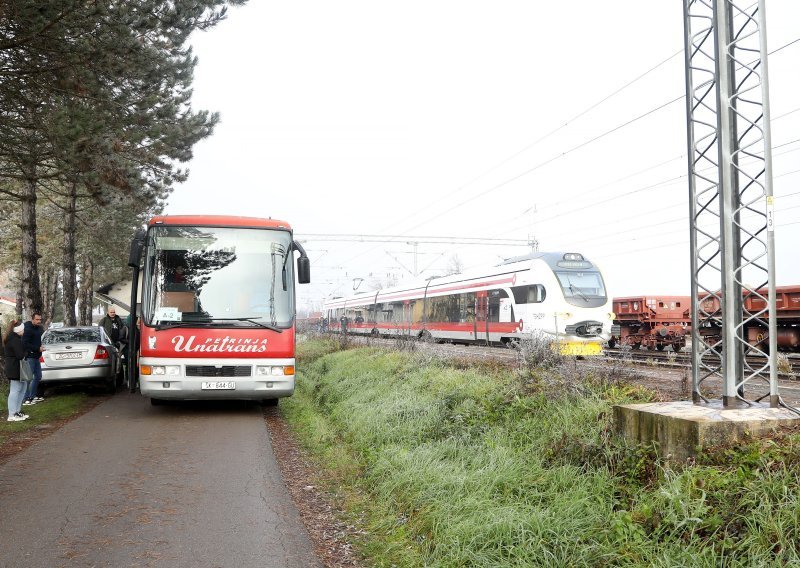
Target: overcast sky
(468, 119)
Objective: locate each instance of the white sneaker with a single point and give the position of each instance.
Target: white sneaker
(14, 418)
(22, 415)
(38, 399)
(28, 403)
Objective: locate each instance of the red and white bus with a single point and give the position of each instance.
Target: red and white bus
(217, 308)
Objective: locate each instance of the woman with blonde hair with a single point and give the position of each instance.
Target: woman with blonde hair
(15, 354)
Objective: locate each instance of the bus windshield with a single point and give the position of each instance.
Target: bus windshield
(228, 276)
(582, 288)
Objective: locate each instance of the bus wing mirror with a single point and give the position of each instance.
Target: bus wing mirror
(303, 270)
(303, 264)
(137, 244)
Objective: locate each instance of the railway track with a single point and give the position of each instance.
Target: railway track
(684, 359)
(667, 372)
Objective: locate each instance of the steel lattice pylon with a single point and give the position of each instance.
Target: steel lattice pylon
(731, 203)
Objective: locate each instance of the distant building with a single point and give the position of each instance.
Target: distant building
(8, 306)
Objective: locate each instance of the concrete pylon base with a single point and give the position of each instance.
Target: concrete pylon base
(683, 429)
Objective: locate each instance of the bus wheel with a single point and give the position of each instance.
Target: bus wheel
(269, 402)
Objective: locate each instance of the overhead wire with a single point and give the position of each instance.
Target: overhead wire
(572, 149)
(536, 142)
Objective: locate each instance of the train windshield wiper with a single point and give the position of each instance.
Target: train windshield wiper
(576, 291)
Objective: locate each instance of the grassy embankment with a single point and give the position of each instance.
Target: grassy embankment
(52, 409)
(445, 465)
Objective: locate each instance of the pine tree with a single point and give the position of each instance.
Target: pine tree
(95, 103)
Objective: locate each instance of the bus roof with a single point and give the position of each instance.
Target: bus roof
(218, 221)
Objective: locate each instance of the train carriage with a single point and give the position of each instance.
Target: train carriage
(559, 295)
(654, 322)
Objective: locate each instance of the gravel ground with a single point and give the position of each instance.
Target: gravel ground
(329, 534)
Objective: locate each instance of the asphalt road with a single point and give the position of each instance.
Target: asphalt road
(130, 485)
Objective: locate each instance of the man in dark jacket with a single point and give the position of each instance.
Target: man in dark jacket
(32, 341)
(113, 325)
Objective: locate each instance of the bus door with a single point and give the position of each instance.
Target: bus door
(482, 317)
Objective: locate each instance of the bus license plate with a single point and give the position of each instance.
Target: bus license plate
(218, 385)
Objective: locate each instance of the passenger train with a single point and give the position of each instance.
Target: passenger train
(561, 296)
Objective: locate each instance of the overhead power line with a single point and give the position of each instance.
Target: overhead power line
(451, 240)
(554, 158)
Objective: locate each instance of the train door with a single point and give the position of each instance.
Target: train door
(482, 317)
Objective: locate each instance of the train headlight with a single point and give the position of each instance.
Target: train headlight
(564, 315)
(612, 316)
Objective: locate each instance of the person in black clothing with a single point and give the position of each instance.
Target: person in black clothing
(113, 325)
(15, 356)
(32, 341)
(116, 330)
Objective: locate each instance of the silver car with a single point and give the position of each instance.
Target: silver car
(79, 355)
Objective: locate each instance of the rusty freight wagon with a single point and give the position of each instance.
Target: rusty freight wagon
(654, 322)
(787, 309)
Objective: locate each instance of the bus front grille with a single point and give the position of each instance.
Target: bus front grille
(214, 371)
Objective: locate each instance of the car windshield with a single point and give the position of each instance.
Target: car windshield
(67, 335)
(225, 276)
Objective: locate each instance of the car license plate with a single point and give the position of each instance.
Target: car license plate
(73, 355)
(218, 385)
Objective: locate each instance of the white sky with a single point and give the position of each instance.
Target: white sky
(410, 118)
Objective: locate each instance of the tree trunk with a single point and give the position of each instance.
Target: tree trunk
(31, 287)
(50, 295)
(70, 279)
(20, 305)
(85, 293)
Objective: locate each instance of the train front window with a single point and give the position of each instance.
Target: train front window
(582, 288)
(227, 276)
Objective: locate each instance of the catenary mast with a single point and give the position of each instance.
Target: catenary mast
(731, 203)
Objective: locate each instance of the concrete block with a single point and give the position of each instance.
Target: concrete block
(683, 429)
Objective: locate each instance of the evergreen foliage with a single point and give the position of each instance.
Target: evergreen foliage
(95, 112)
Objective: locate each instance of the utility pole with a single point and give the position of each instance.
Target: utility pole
(731, 227)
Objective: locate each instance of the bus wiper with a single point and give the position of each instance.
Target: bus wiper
(171, 324)
(283, 270)
(253, 321)
(210, 321)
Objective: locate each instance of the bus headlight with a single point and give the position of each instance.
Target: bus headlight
(171, 370)
(274, 370)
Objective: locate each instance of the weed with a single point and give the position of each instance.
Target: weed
(784, 365)
(536, 352)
